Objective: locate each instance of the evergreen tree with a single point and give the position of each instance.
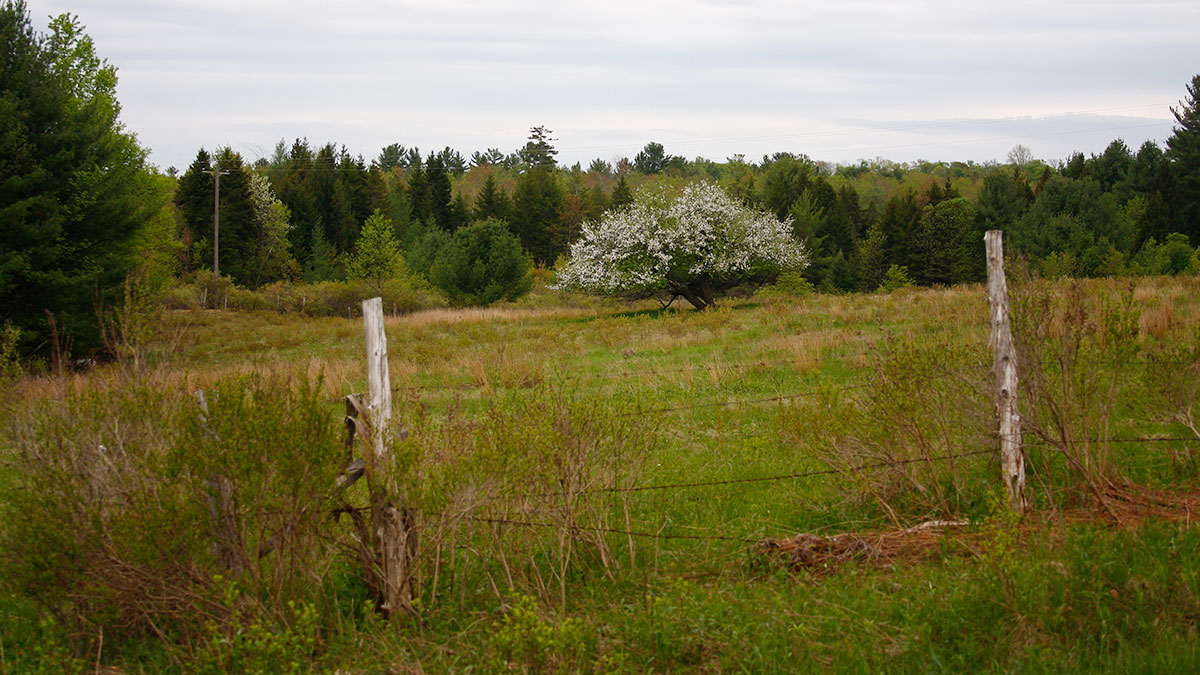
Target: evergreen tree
(538, 207)
(492, 201)
(74, 191)
(787, 177)
(320, 264)
(622, 196)
(480, 264)
(892, 239)
(460, 213)
(1003, 199)
(399, 210)
(601, 167)
(377, 257)
(194, 203)
(440, 195)
(390, 157)
(237, 235)
(652, 159)
(292, 185)
(419, 196)
(1183, 149)
(332, 201)
(946, 249)
(538, 152)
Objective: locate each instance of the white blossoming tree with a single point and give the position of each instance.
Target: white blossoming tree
(693, 247)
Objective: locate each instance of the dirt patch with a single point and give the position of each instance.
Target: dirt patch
(1123, 507)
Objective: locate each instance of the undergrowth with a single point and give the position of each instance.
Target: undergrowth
(149, 529)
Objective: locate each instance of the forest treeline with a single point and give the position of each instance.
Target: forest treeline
(297, 214)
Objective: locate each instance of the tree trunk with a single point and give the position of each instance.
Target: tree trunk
(700, 294)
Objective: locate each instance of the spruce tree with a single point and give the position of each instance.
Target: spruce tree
(74, 190)
(194, 204)
(1183, 149)
(538, 206)
(492, 201)
(622, 196)
(377, 257)
(440, 195)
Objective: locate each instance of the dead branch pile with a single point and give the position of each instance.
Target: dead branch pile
(1126, 505)
(819, 553)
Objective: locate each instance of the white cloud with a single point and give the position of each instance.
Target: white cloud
(833, 80)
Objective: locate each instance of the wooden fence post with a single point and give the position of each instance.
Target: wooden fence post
(392, 524)
(1004, 368)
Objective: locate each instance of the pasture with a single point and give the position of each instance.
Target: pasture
(620, 488)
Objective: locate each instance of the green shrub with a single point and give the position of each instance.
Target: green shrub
(326, 298)
(119, 526)
(895, 278)
(480, 264)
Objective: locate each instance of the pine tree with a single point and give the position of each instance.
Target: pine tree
(492, 201)
(440, 195)
(538, 205)
(74, 190)
(538, 152)
(1183, 149)
(622, 196)
(320, 265)
(377, 257)
(238, 230)
(194, 201)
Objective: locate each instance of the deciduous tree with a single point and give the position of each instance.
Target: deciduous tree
(692, 246)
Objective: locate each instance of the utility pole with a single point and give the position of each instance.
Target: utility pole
(216, 174)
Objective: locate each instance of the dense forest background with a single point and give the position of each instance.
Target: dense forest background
(1122, 211)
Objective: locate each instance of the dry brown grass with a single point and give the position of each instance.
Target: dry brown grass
(484, 315)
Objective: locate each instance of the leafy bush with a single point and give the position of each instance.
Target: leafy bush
(326, 298)
(480, 264)
(146, 510)
(895, 278)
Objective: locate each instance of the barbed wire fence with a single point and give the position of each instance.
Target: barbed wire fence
(551, 509)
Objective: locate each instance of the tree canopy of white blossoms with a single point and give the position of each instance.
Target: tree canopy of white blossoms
(692, 246)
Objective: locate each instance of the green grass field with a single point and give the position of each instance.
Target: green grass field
(591, 483)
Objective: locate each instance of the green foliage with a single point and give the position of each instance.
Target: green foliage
(895, 278)
(537, 207)
(377, 256)
(947, 249)
(325, 298)
(1174, 256)
(1183, 149)
(481, 264)
(120, 534)
(322, 263)
(270, 257)
(539, 152)
(522, 639)
(73, 183)
(492, 201)
(246, 643)
(10, 358)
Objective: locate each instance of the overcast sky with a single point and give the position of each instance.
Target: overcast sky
(839, 80)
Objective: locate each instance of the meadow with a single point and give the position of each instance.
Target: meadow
(610, 487)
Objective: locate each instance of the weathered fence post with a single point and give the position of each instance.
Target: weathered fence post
(392, 524)
(222, 510)
(1004, 367)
